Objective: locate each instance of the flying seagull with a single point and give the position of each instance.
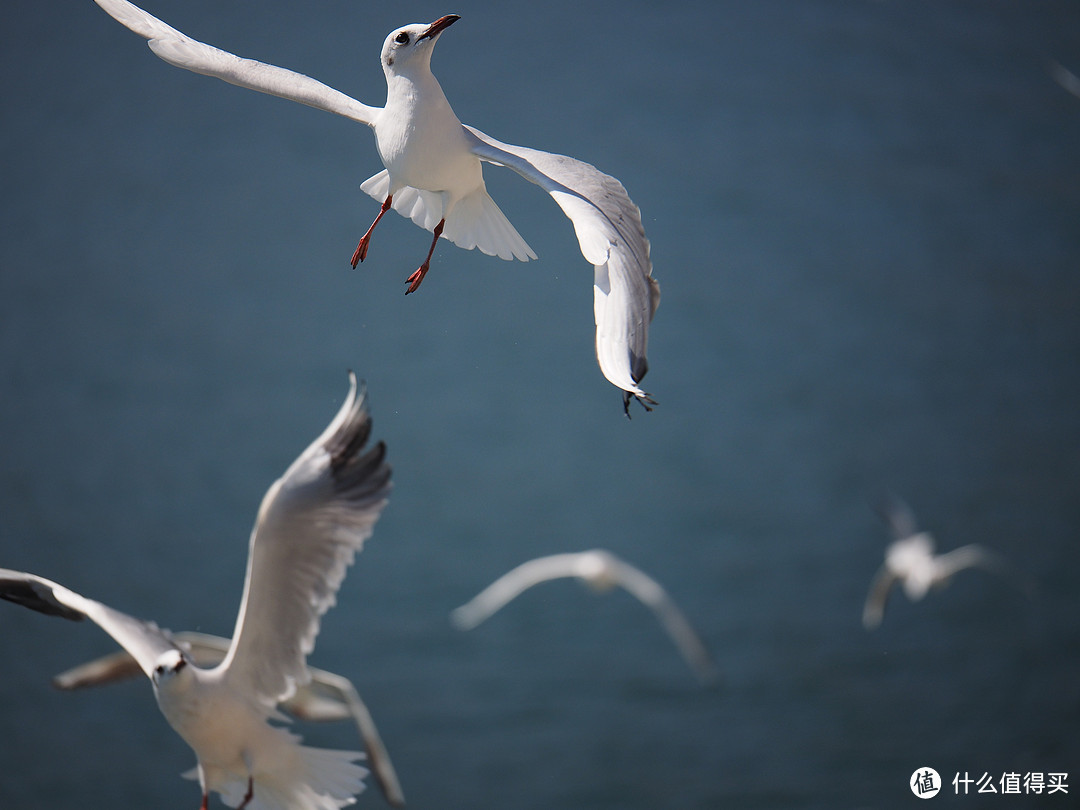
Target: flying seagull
(601, 570)
(433, 175)
(910, 560)
(310, 525)
(1065, 77)
(326, 697)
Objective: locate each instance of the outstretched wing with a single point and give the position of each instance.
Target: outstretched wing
(611, 237)
(969, 556)
(180, 50)
(874, 609)
(974, 555)
(310, 525)
(143, 640)
(512, 584)
(897, 516)
(652, 594)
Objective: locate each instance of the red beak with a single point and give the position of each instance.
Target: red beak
(439, 25)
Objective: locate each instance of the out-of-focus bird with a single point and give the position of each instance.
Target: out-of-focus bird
(911, 561)
(434, 176)
(600, 570)
(310, 525)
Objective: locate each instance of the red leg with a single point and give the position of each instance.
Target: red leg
(248, 795)
(417, 277)
(361, 248)
(205, 799)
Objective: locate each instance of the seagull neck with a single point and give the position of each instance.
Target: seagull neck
(406, 92)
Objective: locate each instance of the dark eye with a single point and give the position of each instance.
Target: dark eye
(402, 38)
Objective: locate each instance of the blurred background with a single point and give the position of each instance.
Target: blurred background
(865, 219)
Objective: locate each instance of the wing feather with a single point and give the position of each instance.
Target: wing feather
(511, 585)
(611, 237)
(652, 594)
(874, 608)
(145, 641)
(180, 50)
(311, 523)
(897, 516)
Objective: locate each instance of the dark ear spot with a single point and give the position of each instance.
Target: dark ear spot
(389, 61)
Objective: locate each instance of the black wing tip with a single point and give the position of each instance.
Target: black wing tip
(366, 476)
(354, 428)
(34, 594)
(361, 475)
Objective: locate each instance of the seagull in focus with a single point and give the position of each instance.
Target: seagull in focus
(600, 570)
(310, 525)
(326, 697)
(910, 560)
(434, 176)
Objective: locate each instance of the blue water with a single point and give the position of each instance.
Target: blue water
(865, 218)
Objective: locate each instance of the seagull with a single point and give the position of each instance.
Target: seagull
(601, 570)
(326, 697)
(433, 175)
(910, 559)
(310, 525)
(1065, 77)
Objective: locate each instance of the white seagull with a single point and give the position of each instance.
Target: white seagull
(601, 570)
(910, 559)
(310, 525)
(326, 697)
(434, 176)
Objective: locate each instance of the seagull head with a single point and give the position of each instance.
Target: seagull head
(597, 569)
(169, 667)
(409, 48)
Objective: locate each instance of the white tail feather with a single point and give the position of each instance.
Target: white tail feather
(313, 779)
(475, 221)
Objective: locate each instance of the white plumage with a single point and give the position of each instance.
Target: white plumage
(911, 561)
(326, 697)
(310, 525)
(601, 570)
(434, 177)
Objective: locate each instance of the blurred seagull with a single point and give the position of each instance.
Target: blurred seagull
(434, 176)
(310, 525)
(910, 559)
(1065, 77)
(326, 697)
(602, 571)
